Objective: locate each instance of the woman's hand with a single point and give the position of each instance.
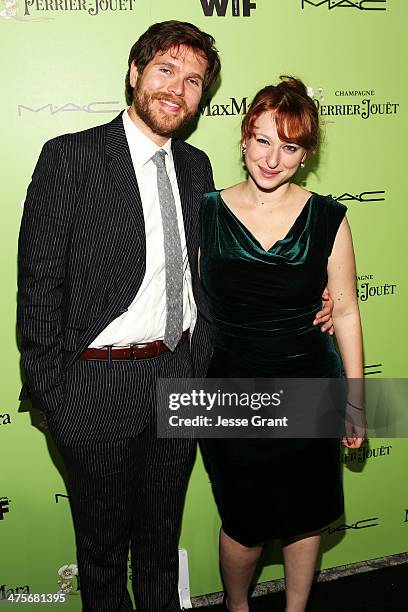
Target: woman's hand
(352, 442)
(324, 316)
(355, 420)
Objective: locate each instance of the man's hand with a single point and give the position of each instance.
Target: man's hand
(324, 316)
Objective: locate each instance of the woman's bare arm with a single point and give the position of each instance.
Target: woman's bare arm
(346, 316)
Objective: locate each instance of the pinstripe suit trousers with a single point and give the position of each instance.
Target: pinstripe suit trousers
(126, 486)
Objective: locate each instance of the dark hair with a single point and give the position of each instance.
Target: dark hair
(295, 114)
(165, 35)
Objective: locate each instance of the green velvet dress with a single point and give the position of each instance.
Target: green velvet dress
(263, 304)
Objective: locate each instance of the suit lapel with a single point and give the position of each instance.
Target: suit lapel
(123, 176)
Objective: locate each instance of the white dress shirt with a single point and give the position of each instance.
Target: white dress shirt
(145, 319)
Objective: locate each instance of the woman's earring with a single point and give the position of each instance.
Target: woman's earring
(302, 164)
(243, 150)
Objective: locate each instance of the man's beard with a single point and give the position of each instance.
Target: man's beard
(159, 122)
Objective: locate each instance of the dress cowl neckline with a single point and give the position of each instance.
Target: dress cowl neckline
(286, 247)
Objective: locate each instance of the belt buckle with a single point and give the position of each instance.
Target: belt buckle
(134, 347)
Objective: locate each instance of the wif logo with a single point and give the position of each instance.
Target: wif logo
(238, 7)
(4, 507)
(361, 5)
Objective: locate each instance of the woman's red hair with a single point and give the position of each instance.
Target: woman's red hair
(294, 112)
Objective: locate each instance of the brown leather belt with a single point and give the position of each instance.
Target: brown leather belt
(129, 353)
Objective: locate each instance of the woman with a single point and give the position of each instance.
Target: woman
(268, 249)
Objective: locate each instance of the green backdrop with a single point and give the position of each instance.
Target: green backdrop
(63, 68)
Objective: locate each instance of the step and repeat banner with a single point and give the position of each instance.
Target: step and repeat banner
(63, 68)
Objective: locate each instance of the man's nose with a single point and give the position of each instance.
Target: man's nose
(177, 85)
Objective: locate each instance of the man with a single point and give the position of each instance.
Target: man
(108, 287)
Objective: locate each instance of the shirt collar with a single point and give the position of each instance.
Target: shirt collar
(141, 147)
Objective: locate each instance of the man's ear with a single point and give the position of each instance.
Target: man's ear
(133, 75)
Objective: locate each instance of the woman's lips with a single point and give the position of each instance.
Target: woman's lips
(268, 173)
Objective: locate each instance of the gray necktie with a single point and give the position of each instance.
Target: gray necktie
(172, 254)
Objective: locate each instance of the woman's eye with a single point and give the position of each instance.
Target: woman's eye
(290, 148)
(262, 141)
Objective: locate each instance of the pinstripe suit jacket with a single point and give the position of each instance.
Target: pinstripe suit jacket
(82, 250)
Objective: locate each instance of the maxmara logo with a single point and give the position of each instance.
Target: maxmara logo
(221, 8)
(5, 419)
(234, 106)
(361, 5)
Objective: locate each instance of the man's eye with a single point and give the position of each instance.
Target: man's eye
(194, 82)
(165, 70)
